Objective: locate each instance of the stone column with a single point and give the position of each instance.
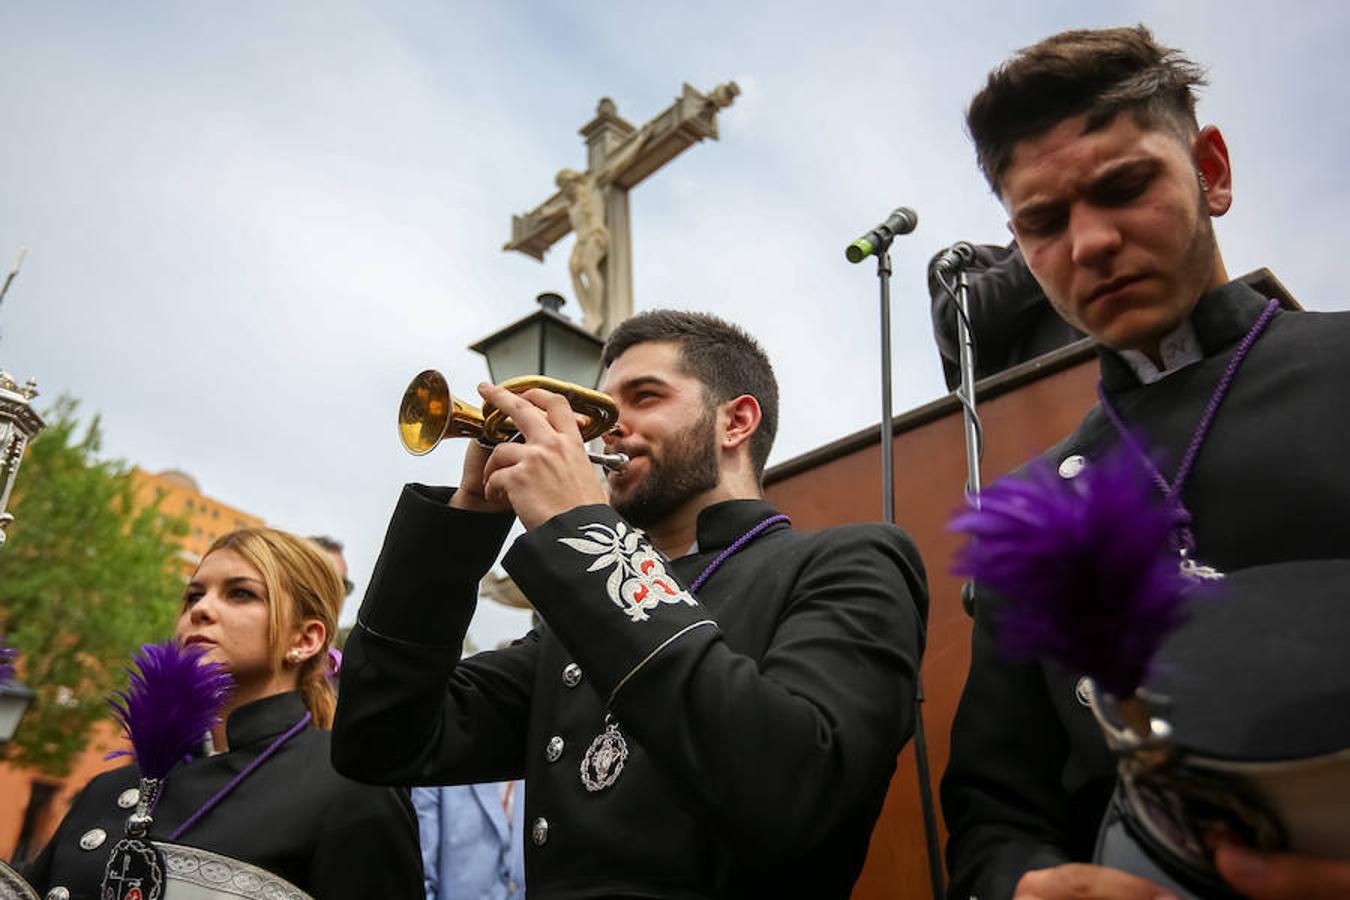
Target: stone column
(603, 133)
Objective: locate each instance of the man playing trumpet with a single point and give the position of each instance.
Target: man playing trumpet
(713, 703)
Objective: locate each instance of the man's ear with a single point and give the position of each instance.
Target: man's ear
(1209, 153)
(741, 416)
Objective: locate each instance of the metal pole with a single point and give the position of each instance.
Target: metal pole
(930, 830)
(966, 343)
(887, 454)
(966, 394)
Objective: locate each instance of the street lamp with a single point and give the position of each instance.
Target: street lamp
(15, 699)
(19, 424)
(543, 343)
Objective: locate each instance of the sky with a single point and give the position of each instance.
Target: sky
(249, 224)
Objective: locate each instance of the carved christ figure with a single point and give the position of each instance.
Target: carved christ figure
(587, 201)
(584, 196)
(586, 212)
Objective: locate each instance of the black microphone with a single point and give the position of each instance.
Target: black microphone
(954, 258)
(902, 221)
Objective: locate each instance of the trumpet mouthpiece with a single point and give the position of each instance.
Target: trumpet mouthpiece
(614, 462)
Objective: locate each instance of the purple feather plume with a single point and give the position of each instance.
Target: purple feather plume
(173, 700)
(7, 656)
(1086, 567)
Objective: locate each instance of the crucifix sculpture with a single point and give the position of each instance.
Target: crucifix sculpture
(594, 203)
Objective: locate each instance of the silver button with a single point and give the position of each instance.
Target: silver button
(129, 798)
(93, 839)
(553, 752)
(58, 893)
(571, 675)
(539, 831)
(1070, 466)
(1083, 691)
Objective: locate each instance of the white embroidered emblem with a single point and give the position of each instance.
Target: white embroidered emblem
(639, 581)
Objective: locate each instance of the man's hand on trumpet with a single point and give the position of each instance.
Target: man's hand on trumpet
(548, 474)
(469, 494)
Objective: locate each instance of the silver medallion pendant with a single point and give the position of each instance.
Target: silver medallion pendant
(604, 759)
(135, 871)
(1198, 571)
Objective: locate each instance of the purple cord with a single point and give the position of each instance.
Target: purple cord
(1172, 490)
(248, 770)
(735, 548)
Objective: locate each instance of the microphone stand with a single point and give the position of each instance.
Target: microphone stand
(965, 393)
(930, 830)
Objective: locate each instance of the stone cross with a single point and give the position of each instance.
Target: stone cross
(594, 203)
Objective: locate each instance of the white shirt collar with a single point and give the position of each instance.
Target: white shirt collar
(1178, 350)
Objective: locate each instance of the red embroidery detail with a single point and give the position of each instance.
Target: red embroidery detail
(637, 569)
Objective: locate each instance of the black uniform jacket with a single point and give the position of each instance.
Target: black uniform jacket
(1030, 775)
(294, 816)
(763, 717)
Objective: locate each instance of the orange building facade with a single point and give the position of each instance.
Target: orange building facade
(32, 804)
(181, 496)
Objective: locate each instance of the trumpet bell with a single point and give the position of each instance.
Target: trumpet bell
(425, 412)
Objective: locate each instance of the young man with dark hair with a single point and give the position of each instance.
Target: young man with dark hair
(1090, 141)
(714, 703)
(723, 357)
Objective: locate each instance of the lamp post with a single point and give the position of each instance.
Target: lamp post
(543, 343)
(19, 424)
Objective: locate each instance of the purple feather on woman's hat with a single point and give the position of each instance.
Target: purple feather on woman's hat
(1086, 568)
(173, 700)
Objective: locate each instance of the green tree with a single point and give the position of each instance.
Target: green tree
(87, 576)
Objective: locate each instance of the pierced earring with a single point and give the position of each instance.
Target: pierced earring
(294, 656)
(1204, 182)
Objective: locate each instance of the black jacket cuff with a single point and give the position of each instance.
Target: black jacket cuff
(605, 591)
(425, 584)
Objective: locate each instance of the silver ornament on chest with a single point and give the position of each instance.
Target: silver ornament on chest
(604, 759)
(135, 868)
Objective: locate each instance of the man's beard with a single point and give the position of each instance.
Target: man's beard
(687, 467)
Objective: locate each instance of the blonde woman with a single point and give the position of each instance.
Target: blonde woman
(263, 603)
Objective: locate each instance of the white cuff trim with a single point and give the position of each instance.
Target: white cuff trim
(648, 658)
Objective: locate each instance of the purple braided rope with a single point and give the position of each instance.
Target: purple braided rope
(235, 781)
(735, 548)
(1172, 490)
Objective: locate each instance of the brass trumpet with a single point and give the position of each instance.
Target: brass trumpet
(429, 413)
